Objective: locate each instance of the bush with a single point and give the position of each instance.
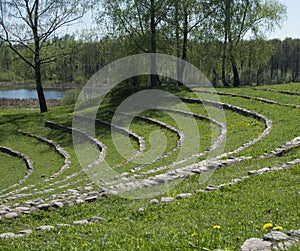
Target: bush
(70, 97)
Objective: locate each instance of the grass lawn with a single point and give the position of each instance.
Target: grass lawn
(240, 210)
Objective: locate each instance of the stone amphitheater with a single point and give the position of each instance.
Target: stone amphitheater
(66, 188)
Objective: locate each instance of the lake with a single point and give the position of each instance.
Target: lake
(30, 94)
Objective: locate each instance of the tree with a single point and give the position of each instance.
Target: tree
(141, 20)
(236, 18)
(187, 16)
(29, 24)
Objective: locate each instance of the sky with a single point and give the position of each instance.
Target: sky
(291, 27)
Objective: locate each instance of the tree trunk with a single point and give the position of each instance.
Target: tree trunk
(37, 62)
(224, 80)
(154, 80)
(227, 25)
(236, 77)
(180, 68)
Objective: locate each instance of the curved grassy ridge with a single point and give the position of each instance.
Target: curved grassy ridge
(13, 165)
(292, 87)
(240, 210)
(113, 157)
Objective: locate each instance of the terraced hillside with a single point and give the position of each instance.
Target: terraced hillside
(244, 174)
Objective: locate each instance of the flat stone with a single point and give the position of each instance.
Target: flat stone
(276, 236)
(11, 215)
(183, 195)
(44, 206)
(58, 204)
(153, 201)
(88, 188)
(283, 245)
(21, 209)
(80, 222)
(252, 172)
(96, 218)
(167, 199)
(5, 208)
(45, 228)
(91, 199)
(294, 234)
(211, 188)
(25, 232)
(201, 191)
(79, 201)
(63, 225)
(255, 244)
(94, 193)
(7, 235)
(196, 171)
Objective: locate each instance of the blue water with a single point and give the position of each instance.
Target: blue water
(31, 94)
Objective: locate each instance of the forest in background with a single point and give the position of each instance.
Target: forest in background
(223, 38)
(259, 61)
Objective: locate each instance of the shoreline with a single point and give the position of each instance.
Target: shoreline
(25, 104)
(47, 86)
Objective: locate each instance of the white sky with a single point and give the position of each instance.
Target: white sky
(291, 27)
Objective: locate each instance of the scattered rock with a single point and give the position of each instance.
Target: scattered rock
(58, 204)
(21, 209)
(63, 225)
(45, 228)
(79, 201)
(153, 201)
(44, 206)
(80, 222)
(256, 244)
(7, 235)
(25, 232)
(11, 215)
(183, 195)
(211, 188)
(167, 199)
(276, 236)
(91, 199)
(96, 218)
(88, 188)
(294, 234)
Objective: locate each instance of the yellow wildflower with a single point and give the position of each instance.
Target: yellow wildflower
(194, 234)
(277, 228)
(84, 245)
(217, 227)
(267, 226)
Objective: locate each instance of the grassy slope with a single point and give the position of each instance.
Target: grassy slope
(240, 210)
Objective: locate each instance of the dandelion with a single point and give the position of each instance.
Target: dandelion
(194, 234)
(217, 227)
(84, 245)
(267, 226)
(277, 228)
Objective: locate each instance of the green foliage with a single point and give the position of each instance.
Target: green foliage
(70, 97)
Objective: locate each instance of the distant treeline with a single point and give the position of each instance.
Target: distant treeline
(258, 61)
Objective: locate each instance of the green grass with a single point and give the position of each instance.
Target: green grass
(12, 165)
(241, 210)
